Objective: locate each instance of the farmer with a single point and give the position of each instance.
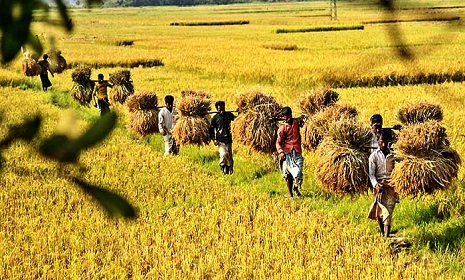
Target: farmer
(101, 94)
(220, 134)
(45, 66)
(376, 125)
(289, 147)
(381, 163)
(166, 121)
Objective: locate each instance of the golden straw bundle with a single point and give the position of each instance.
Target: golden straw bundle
(422, 138)
(257, 122)
(122, 86)
(193, 124)
(30, 67)
(419, 112)
(143, 108)
(316, 126)
(342, 170)
(83, 86)
(318, 100)
(57, 63)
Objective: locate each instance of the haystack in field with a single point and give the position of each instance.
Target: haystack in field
(343, 163)
(143, 109)
(193, 122)
(419, 112)
(122, 86)
(83, 86)
(257, 123)
(30, 66)
(318, 124)
(57, 63)
(424, 160)
(317, 100)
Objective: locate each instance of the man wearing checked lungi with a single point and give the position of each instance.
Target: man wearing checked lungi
(381, 164)
(289, 147)
(220, 134)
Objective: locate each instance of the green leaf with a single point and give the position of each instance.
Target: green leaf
(113, 203)
(64, 15)
(24, 131)
(98, 131)
(60, 148)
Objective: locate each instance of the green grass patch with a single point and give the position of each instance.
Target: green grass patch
(321, 29)
(439, 19)
(281, 47)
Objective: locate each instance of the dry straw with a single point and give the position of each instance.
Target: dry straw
(30, 66)
(143, 108)
(122, 86)
(317, 100)
(83, 86)
(343, 164)
(424, 160)
(193, 123)
(419, 112)
(57, 63)
(317, 125)
(257, 123)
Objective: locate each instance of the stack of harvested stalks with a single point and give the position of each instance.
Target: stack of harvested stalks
(257, 123)
(317, 125)
(83, 86)
(317, 100)
(193, 123)
(343, 163)
(143, 109)
(30, 65)
(419, 112)
(424, 160)
(57, 63)
(122, 86)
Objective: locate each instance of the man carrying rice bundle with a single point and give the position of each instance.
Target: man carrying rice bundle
(220, 133)
(45, 66)
(101, 93)
(166, 122)
(289, 147)
(381, 164)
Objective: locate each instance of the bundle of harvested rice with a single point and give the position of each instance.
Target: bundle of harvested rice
(30, 66)
(318, 100)
(419, 112)
(424, 160)
(143, 108)
(57, 63)
(317, 125)
(193, 123)
(122, 86)
(257, 122)
(349, 133)
(341, 169)
(83, 86)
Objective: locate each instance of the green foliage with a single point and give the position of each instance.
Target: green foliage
(321, 29)
(211, 23)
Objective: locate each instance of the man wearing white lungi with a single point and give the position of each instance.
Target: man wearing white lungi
(289, 147)
(220, 134)
(166, 122)
(381, 163)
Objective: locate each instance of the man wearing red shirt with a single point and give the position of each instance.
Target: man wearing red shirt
(289, 147)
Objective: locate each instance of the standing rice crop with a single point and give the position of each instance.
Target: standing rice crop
(193, 123)
(57, 63)
(343, 160)
(143, 109)
(424, 160)
(122, 86)
(83, 86)
(257, 123)
(419, 112)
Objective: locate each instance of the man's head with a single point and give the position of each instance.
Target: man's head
(384, 139)
(45, 56)
(220, 106)
(376, 123)
(287, 113)
(100, 77)
(169, 101)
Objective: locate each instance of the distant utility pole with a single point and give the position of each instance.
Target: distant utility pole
(333, 9)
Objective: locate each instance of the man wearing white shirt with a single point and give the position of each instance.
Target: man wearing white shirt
(166, 122)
